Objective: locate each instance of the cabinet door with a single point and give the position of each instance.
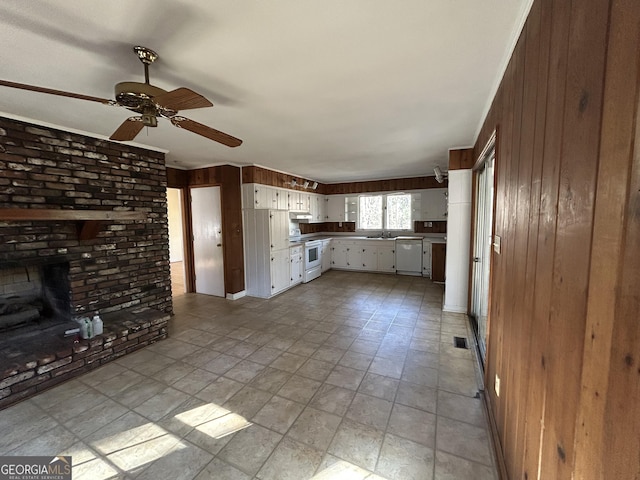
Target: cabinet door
(261, 196)
(387, 259)
(438, 261)
(326, 256)
(354, 257)
(339, 255)
(271, 197)
(351, 213)
(335, 208)
(296, 269)
(283, 199)
(322, 208)
(426, 258)
(278, 229)
(369, 258)
(293, 200)
(280, 270)
(434, 204)
(247, 196)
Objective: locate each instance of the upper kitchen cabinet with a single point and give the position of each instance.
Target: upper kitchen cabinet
(317, 208)
(264, 197)
(434, 204)
(335, 208)
(299, 201)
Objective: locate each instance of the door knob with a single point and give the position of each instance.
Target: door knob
(219, 245)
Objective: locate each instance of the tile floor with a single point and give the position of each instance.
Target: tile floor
(352, 376)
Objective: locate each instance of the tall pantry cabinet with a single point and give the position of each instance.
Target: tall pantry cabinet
(266, 252)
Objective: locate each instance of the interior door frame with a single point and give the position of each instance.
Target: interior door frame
(492, 144)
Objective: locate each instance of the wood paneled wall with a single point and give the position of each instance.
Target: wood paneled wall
(564, 329)
(264, 176)
(327, 227)
(461, 158)
(228, 178)
(392, 185)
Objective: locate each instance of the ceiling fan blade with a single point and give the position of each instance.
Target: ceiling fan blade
(205, 131)
(128, 130)
(182, 99)
(51, 91)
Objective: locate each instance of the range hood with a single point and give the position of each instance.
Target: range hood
(302, 217)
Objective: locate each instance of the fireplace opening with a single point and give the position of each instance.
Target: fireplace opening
(34, 296)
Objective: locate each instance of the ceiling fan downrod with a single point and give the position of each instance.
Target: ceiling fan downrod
(147, 57)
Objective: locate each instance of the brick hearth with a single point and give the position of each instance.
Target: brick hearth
(123, 272)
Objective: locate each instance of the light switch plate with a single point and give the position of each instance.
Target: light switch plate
(496, 244)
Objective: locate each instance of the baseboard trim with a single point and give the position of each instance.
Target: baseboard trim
(237, 295)
(495, 437)
(454, 309)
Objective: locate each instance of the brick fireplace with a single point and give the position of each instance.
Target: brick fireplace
(97, 211)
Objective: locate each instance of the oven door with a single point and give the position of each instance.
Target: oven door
(312, 255)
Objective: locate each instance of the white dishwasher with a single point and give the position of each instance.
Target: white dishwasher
(409, 256)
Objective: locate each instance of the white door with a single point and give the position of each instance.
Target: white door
(482, 251)
(207, 240)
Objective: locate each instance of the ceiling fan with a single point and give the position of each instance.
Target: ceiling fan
(149, 101)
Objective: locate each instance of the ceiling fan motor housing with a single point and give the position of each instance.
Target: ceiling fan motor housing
(138, 97)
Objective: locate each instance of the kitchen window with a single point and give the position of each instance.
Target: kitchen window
(384, 212)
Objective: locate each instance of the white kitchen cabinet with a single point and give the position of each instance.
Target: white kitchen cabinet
(278, 229)
(326, 255)
(297, 265)
(387, 257)
(255, 195)
(280, 271)
(335, 208)
(339, 254)
(369, 257)
(266, 239)
(426, 257)
(317, 208)
(434, 204)
(351, 212)
(346, 254)
(299, 201)
(366, 255)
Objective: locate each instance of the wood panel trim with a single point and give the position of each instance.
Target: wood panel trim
(264, 176)
(461, 158)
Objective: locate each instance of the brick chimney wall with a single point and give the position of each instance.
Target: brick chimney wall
(124, 269)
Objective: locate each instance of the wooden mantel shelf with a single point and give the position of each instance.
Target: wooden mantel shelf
(88, 220)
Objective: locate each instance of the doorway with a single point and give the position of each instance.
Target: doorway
(176, 241)
(482, 244)
(206, 220)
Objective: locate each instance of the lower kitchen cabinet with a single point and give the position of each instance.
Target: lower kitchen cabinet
(326, 255)
(366, 255)
(280, 271)
(297, 265)
(386, 258)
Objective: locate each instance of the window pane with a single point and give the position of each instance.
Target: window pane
(399, 212)
(370, 213)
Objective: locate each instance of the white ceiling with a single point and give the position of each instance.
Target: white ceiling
(331, 90)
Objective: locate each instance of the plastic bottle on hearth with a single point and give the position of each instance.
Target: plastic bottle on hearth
(98, 326)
